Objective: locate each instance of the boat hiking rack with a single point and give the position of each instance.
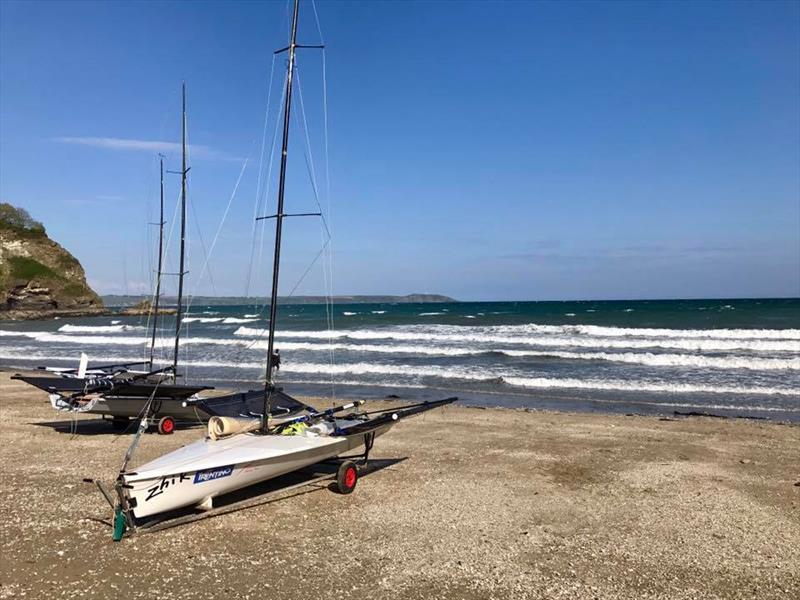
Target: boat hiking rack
(345, 470)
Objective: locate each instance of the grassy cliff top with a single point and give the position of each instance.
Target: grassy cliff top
(19, 221)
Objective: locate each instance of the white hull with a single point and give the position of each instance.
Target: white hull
(197, 473)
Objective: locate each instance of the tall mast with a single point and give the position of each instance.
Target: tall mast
(181, 270)
(160, 258)
(273, 307)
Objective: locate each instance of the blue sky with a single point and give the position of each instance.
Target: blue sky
(483, 150)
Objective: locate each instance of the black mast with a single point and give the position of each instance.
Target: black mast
(273, 308)
(160, 257)
(181, 271)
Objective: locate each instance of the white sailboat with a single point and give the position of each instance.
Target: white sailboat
(256, 435)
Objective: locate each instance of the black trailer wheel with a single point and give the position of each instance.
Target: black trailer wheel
(166, 425)
(120, 423)
(346, 477)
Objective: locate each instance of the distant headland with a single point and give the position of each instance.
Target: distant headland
(40, 279)
(128, 300)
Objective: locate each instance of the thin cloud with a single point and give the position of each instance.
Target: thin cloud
(643, 252)
(150, 146)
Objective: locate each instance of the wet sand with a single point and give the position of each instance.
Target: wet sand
(468, 503)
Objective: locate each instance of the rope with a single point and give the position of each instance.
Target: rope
(257, 202)
(219, 230)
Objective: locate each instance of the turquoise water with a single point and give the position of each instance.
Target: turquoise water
(732, 357)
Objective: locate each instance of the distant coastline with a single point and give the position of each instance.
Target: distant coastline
(129, 300)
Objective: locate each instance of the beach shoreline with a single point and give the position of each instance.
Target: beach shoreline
(475, 503)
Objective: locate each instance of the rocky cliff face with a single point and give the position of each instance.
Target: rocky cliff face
(38, 277)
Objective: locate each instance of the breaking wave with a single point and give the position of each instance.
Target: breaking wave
(97, 328)
(529, 382)
(201, 319)
(482, 335)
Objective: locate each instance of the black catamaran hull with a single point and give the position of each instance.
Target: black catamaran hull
(123, 400)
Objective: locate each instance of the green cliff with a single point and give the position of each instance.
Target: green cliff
(38, 277)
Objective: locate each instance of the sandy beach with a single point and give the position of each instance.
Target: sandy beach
(469, 503)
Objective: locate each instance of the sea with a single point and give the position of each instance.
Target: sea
(735, 358)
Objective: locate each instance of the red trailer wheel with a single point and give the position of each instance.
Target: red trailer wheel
(166, 425)
(346, 477)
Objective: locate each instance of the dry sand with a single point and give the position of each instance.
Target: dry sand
(488, 504)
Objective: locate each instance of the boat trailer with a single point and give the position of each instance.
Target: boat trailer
(343, 471)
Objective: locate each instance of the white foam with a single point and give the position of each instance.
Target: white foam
(201, 319)
(474, 338)
(725, 334)
(114, 322)
(381, 349)
(489, 335)
(97, 328)
(430, 314)
(231, 320)
(463, 373)
(101, 340)
(251, 316)
(250, 331)
(671, 360)
(529, 382)
(27, 334)
(349, 314)
(370, 369)
(378, 312)
(641, 386)
(35, 356)
(642, 358)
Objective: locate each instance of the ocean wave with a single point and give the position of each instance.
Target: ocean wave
(642, 358)
(480, 345)
(36, 356)
(670, 360)
(98, 328)
(488, 336)
(255, 316)
(647, 332)
(459, 373)
(725, 334)
(201, 319)
(28, 334)
(101, 340)
(250, 332)
(232, 320)
(430, 314)
(642, 386)
(528, 382)
(374, 369)
(349, 314)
